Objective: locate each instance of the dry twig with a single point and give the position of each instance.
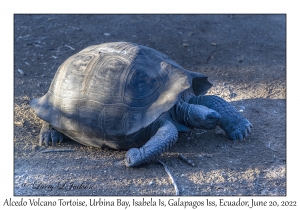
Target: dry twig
(185, 159)
(171, 177)
(57, 150)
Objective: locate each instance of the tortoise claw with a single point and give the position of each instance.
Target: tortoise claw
(240, 130)
(243, 129)
(246, 133)
(61, 138)
(54, 137)
(41, 139)
(47, 138)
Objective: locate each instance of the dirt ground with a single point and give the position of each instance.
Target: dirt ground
(244, 57)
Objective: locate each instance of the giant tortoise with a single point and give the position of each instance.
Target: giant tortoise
(130, 97)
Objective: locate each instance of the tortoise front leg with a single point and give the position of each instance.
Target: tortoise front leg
(48, 133)
(165, 136)
(232, 122)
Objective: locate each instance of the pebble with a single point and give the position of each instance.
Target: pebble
(21, 71)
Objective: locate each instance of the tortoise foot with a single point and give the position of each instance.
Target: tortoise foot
(239, 130)
(48, 134)
(133, 157)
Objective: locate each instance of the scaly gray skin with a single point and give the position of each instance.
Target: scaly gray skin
(164, 136)
(164, 132)
(232, 122)
(204, 112)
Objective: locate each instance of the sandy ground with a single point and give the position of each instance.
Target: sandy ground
(244, 57)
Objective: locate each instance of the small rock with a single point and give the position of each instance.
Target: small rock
(21, 72)
(233, 95)
(106, 34)
(242, 108)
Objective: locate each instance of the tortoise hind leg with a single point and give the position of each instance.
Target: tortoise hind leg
(165, 136)
(232, 122)
(48, 133)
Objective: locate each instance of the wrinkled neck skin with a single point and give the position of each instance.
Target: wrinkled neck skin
(187, 95)
(177, 114)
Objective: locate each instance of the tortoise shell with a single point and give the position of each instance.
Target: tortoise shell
(107, 92)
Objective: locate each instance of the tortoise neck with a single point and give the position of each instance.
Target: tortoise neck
(187, 95)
